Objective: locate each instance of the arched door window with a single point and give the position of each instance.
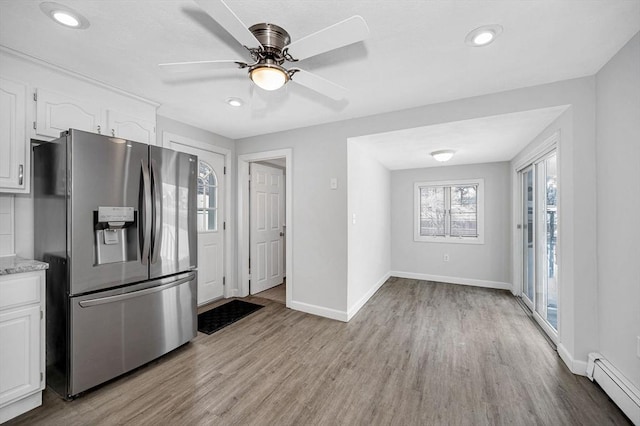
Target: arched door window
(207, 198)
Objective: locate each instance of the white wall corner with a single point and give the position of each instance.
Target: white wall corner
(578, 367)
(364, 299)
(453, 280)
(319, 310)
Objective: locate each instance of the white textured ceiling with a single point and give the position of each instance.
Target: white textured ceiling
(415, 55)
(480, 140)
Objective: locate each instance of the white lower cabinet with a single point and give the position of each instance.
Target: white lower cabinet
(22, 344)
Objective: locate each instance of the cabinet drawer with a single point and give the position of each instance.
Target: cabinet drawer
(19, 289)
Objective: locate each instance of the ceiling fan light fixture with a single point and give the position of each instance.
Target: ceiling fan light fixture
(269, 76)
(483, 36)
(64, 15)
(443, 155)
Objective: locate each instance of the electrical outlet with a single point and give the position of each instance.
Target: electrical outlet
(445, 258)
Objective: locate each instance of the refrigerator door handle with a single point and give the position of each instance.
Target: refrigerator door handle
(156, 237)
(145, 223)
(120, 297)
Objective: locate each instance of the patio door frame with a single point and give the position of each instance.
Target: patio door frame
(548, 147)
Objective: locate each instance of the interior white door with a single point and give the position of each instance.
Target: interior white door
(266, 227)
(211, 222)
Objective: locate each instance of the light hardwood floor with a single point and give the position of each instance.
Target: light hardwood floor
(277, 293)
(418, 353)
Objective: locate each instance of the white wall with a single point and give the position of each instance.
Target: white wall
(487, 264)
(618, 208)
(164, 124)
(369, 238)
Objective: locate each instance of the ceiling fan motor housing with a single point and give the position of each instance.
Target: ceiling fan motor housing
(273, 39)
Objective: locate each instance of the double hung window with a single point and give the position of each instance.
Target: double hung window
(451, 211)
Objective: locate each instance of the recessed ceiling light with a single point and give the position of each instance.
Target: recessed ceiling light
(234, 102)
(483, 36)
(64, 15)
(443, 155)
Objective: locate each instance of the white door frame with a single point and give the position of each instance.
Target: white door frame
(167, 140)
(243, 216)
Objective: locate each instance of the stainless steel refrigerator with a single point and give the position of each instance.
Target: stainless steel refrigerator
(116, 221)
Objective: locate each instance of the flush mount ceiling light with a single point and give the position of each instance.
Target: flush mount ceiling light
(483, 36)
(64, 15)
(234, 102)
(443, 155)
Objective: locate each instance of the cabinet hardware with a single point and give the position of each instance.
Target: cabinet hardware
(35, 96)
(224, 280)
(34, 126)
(20, 174)
(113, 133)
(99, 130)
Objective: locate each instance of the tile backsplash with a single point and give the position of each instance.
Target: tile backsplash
(6, 225)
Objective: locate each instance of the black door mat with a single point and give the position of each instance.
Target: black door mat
(217, 318)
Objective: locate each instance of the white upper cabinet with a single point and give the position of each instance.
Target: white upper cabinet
(13, 144)
(38, 101)
(131, 128)
(57, 113)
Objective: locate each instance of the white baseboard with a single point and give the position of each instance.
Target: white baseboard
(453, 280)
(363, 300)
(319, 310)
(576, 366)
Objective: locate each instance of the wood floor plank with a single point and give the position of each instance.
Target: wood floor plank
(418, 353)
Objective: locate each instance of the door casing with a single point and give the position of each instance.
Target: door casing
(243, 217)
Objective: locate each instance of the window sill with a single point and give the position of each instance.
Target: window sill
(451, 240)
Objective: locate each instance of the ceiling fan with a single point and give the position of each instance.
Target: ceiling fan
(270, 46)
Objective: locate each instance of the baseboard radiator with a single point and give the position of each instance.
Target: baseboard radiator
(619, 389)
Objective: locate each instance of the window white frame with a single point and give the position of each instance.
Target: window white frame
(479, 239)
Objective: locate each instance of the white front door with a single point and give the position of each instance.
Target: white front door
(211, 222)
(266, 227)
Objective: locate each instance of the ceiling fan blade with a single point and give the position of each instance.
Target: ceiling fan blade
(201, 65)
(224, 16)
(343, 33)
(319, 84)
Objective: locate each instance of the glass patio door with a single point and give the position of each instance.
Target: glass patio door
(539, 240)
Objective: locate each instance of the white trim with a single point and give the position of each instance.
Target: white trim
(76, 75)
(452, 280)
(318, 310)
(578, 367)
(447, 238)
(539, 151)
(243, 229)
(168, 139)
(364, 299)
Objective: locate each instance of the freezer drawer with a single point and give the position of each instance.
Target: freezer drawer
(115, 331)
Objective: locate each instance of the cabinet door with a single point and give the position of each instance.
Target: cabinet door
(131, 128)
(19, 352)
(57, 113)
(13, 144)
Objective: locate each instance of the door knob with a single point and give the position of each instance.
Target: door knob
(282, 234)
